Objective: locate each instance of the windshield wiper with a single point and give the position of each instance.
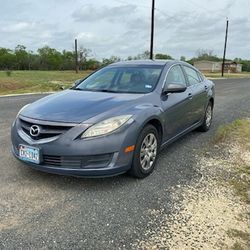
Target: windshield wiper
(97, 90)
(107, 90)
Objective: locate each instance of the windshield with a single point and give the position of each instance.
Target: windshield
(133, 79)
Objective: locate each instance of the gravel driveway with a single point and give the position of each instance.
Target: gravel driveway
(43, 211)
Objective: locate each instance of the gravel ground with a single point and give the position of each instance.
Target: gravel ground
(43, 211)
(208, 209)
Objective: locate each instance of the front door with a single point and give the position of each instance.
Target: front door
(177, 106)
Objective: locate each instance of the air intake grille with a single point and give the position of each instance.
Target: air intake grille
(46, 131)
(77, 162)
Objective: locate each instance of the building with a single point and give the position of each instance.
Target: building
(211, 66)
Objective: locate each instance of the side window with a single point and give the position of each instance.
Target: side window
(192, 75)
(201, 76)
(175, 75)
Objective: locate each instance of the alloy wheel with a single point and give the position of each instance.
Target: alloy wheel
(208, 115)
(148, 151)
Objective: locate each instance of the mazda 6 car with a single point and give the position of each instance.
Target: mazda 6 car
(114, 121)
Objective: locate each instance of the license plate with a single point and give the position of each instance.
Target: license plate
(28, 153)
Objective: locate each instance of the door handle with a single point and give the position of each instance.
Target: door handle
(190, 96)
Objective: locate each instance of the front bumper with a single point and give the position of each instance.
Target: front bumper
(97, 157)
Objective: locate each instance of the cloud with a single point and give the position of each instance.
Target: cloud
(92, 13)
(19, 26)
(122, 28)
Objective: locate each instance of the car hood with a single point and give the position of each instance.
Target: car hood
(76, 106)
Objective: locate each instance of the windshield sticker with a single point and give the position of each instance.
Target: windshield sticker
(147, 86)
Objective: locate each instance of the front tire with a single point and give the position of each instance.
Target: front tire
(207, 118)
(146, 151)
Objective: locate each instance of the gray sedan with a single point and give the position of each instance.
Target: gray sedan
(114, 121)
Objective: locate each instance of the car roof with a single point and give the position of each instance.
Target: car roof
(142, 62)
(149, 62)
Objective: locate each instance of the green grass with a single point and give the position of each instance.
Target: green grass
(37, 81)
(237, 246)
(17, 82)
(239, 130)
(228, 75)
(240, 235)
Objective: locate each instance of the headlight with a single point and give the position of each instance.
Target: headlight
(22, 109)
(106, 126)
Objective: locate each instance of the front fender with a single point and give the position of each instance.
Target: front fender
(149, 115)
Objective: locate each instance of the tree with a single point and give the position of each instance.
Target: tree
(163, 56)
(205, 54)
(92, 64)
(22, 57)
(183, 58)
(245, 64)
(50, 59)
(68, 60)
(83, 53)
(142, 56)
(112, 59)
(7, 59)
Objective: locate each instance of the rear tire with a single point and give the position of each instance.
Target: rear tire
(207, 118)
(146, 152)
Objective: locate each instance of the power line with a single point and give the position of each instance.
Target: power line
(149, 7)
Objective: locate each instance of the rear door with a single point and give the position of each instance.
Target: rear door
(199, 95)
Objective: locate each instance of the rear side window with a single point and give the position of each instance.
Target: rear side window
(192, 75)
(175, 75)
(201, 76)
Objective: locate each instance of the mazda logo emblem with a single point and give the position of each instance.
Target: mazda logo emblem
(34, 130)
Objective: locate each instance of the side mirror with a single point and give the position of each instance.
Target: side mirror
(174, 88)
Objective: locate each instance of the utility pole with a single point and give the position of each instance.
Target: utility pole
(152, 30)
(224, 54)
(76, 56)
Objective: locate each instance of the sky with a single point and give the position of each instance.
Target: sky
(122, 27)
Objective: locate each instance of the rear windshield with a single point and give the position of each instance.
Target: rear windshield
(132, 79)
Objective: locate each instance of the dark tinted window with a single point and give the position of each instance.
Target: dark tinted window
(175, 75)
(192, 75)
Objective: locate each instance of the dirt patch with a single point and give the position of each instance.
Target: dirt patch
(10, 86)
(215, 212)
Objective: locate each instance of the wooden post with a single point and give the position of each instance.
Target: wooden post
(152, 31)
(225, 48)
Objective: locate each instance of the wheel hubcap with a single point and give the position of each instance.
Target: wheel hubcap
(209, 116)
(148, 151)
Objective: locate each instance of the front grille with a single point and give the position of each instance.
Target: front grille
(78, 162)
(46, 131)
